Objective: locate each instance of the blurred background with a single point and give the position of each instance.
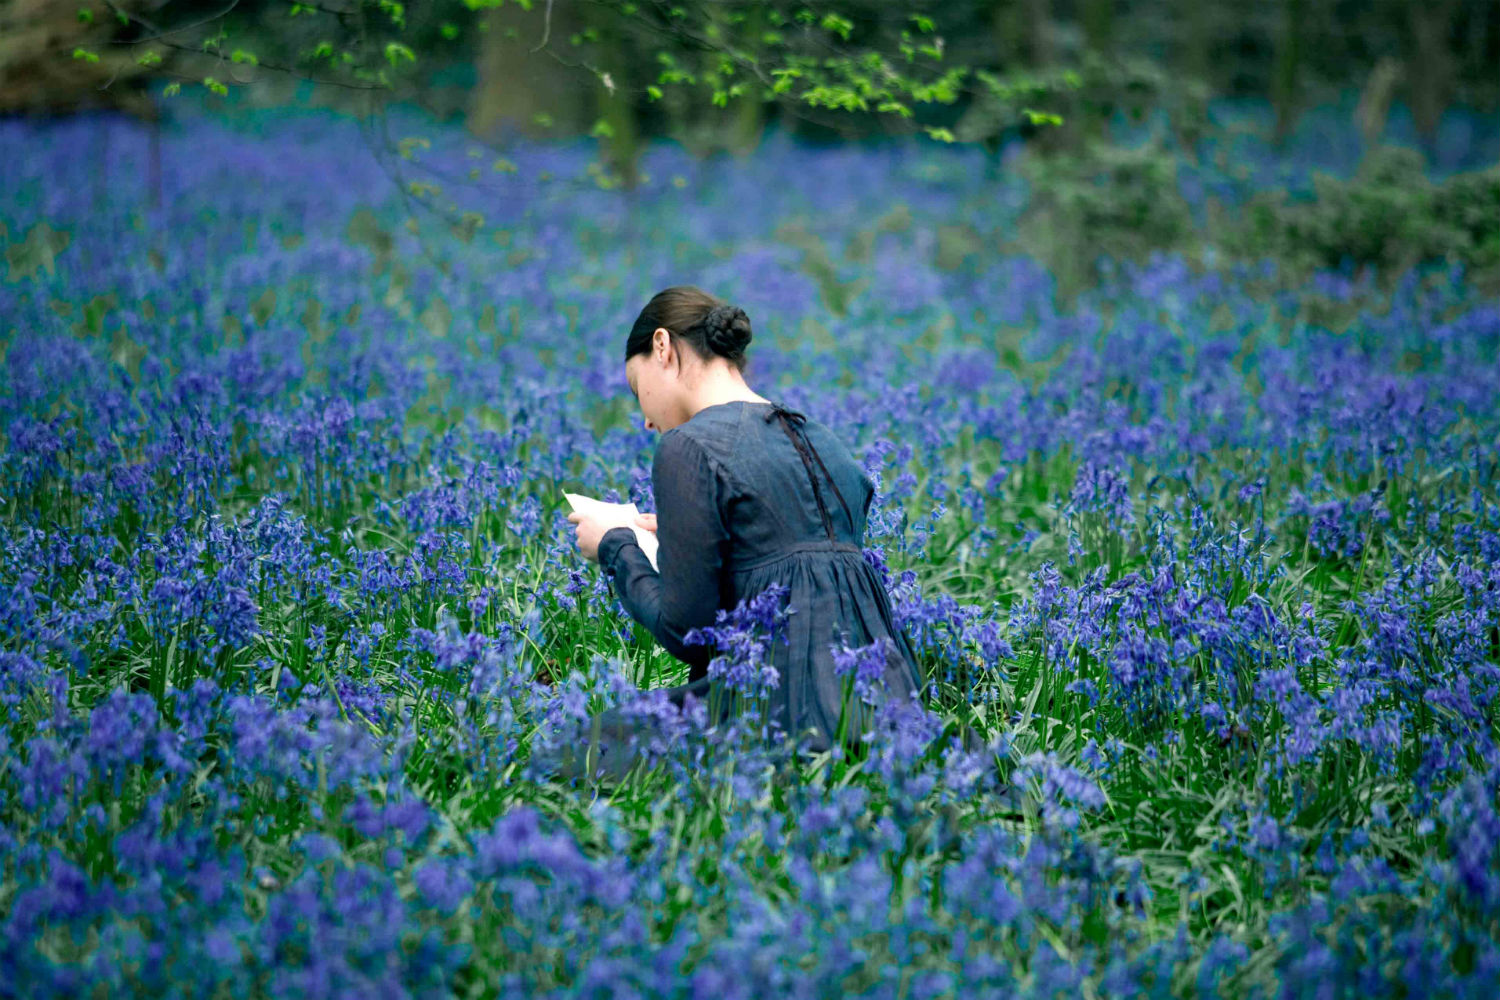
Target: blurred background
(1320, 133)
(530, 64)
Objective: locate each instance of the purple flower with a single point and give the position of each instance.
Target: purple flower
(742, 637)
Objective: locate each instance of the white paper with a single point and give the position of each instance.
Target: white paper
(588, 505)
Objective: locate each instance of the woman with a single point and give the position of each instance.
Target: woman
(749, 493)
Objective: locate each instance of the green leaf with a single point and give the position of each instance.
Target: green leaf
(150, 57)
(215, 86)
(653, 91)
(85, 15)
(923, 22)
(172, 89)
(395, 52)
(324, 50)
(468, 224)
(542, 119)
(835, 23)
(449, 30)
(85, 55)
(1041, 117)
(396, 11)
(940, 134)
(784, 77)
(241, 56)
(408, 146)
(602, 130)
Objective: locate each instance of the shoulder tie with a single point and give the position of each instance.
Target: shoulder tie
(792, 419)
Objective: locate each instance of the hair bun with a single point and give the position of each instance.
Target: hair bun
(726, 330)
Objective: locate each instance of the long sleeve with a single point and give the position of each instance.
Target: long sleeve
(693, 545)
(868, 485)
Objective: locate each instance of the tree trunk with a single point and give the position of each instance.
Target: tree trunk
(615, 105)
(1375, 101)
(1286, 78)
(749, 121)
(1430, 71)
(514, 84)
(1194, 55)
(38, 74)
(1017, 28)
(1099, 25)
(153, 178)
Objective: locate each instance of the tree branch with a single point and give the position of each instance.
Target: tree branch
(546, 27)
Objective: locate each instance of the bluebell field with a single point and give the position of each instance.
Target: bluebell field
(1208, 558)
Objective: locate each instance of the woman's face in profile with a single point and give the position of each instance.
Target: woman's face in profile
(651, 380)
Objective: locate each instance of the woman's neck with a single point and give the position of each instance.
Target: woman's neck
(722, 388)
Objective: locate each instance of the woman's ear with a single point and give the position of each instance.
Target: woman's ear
(661, 342)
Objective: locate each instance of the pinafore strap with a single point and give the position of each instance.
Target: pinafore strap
(791, 419)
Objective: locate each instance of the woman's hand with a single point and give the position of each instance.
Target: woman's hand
(591, 529)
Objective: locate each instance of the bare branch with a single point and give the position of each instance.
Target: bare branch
(546, 28)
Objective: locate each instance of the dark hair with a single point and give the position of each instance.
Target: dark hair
(711, 325)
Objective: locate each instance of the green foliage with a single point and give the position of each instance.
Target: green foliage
(1470, 204)
(395, 52)
(34, 254)
(1035, 117)
(1388, 216)
(1108, 202)
(408, 146)
(731, 55)
(1118, 202)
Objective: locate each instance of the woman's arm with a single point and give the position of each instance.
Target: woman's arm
(694, 542)
(868, 485)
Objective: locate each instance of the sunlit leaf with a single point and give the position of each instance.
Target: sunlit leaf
(395, 52)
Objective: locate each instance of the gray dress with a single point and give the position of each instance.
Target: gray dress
(749, 494)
